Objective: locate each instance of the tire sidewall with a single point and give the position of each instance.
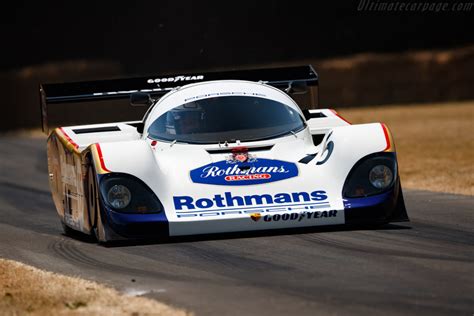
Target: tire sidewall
(93, 206)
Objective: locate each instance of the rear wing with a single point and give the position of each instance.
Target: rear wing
(293, 80)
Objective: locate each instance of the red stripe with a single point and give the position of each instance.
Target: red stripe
(387, 138)
(101, 158)
(337, 114)
(69, 138)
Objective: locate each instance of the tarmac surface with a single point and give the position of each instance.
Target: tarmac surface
(421, 267)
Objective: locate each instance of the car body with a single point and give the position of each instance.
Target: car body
(222, 156)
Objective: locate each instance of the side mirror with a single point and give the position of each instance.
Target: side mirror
(306, 114)
(140, 99)
(140, 127)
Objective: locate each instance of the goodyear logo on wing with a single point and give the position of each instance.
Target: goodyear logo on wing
(176, 79)
(259, 171)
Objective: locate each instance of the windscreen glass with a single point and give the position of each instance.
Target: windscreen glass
(226, 118)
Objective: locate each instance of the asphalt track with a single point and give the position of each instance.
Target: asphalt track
(422, 267)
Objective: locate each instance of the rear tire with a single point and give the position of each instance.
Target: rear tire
(75, 234)
(68, 231)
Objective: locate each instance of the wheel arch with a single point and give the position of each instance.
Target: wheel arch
(92, 162)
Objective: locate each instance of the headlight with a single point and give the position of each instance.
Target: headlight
(125, 193)
(119, 196)
(380, 176)
(373, 174)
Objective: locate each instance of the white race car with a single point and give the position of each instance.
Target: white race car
(215, 153)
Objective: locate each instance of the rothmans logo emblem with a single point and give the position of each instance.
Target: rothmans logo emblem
(241, 168)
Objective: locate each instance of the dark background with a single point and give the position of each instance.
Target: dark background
(79, 40)
(170, 35)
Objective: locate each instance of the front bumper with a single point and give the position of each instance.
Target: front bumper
(381, 208)
(135, 226)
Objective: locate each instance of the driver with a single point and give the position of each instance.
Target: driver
(188, 119)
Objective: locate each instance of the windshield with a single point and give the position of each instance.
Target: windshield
(228, 118)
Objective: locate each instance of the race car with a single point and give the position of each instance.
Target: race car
(215, 153)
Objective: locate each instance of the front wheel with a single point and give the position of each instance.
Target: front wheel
(93, 207)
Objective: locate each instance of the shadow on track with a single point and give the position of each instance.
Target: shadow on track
(235, 235)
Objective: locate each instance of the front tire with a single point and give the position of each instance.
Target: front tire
(93, 206)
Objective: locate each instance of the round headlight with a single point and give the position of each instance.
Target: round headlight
(380, 176)
(119, 196)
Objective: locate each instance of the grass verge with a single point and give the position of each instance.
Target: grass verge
(25, 290)
(435, 143)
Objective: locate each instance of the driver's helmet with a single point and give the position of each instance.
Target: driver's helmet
(187, 118)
